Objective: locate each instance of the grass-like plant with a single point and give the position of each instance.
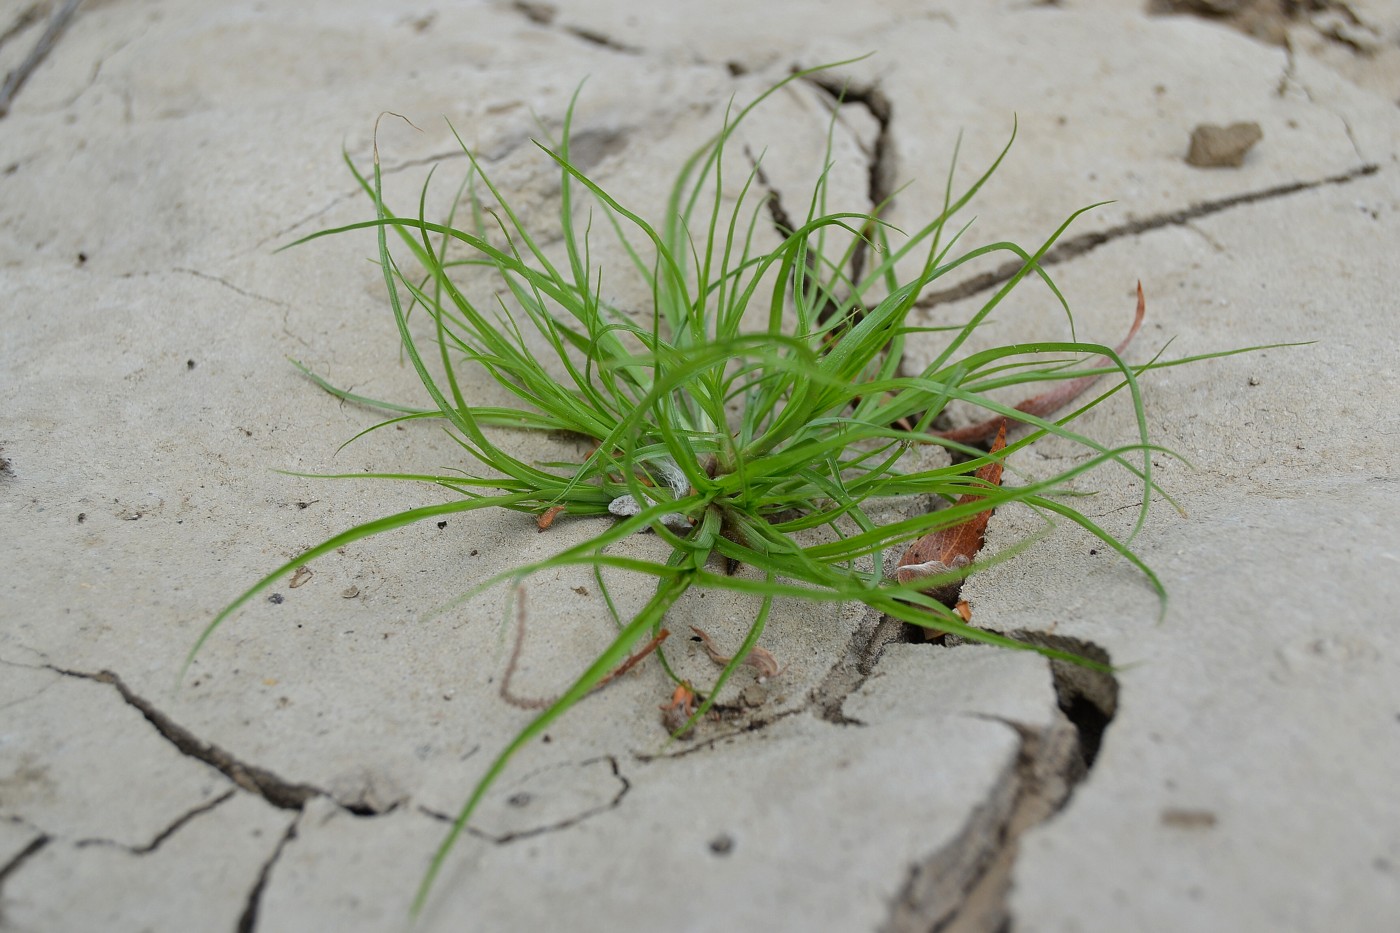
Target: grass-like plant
(761, 396)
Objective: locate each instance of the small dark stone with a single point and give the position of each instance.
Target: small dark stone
(722, 844)
(276, 599)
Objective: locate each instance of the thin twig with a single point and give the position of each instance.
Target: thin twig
(759, 658)
(520, 702)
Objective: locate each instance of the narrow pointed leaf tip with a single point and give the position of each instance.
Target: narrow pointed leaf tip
(1047, 403)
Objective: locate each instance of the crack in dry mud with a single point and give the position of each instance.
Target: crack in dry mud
(598, 38)
(882, 167)
(963, 887)
(852, 670)
(1289, 77)
(339, 199)
(755, 722)
(509, 837)
(13, 865)
(47, 40)
(880, 170)
(28, 697)
(160, 838)
(230, 286)
(283, 794)
(543, 14)
(248, 920)
(1073, 247)
(1269, 20)
(22, 21)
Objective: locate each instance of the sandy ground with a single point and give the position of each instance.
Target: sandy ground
(1236, 774)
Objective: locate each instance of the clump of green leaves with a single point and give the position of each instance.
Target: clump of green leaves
(762, 396)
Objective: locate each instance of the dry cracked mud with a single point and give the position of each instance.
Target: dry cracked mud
(152, 158)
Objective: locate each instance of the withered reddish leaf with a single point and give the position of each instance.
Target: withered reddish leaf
(759, 658)
(950, 548)
(546, 518)
(1052, 401)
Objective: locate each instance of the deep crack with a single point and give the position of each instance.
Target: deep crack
(1076, 246)
(281, 793)
(32, 849)
(777, 211)
(248, 920)
(852, 670)
(880, 176)
(784, 227)
(14, 864)
(963, 887)
(881, 171)
(1087, 697)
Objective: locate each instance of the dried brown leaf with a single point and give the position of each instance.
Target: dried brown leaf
(547, 517)
(951, 548)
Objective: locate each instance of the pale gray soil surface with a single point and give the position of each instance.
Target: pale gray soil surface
(1238, 773)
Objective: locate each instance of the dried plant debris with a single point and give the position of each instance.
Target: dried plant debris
(943, 552)
(759, 658)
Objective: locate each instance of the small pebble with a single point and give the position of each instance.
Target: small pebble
(1222, 146)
